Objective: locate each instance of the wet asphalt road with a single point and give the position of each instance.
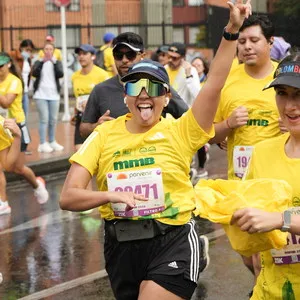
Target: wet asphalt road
(46, 253)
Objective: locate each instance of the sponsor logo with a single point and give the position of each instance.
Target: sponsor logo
(257, 122)
(134, 163)
(173, 264)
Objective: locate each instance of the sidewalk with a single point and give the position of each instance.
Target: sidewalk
(46, 163)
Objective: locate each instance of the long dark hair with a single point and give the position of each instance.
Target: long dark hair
(13, 67)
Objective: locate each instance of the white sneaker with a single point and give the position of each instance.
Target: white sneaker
(56, 147)
(4, 208)
(45, 148)
(40, 192)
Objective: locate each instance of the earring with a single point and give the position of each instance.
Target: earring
(167, 101)
(125, 101)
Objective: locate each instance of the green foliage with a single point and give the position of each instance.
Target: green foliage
(289, 8)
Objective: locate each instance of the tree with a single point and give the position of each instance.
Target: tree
(289, 8)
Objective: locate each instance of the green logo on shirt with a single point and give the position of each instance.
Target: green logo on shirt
(257, 122)
(133, 163)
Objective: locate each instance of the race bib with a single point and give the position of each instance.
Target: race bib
(241, 157)
(290, 254)
(147, 182)
(81, 102)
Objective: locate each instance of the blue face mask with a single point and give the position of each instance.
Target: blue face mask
(25, 54)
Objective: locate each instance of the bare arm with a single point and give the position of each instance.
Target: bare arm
(87, 128)
(9, 156)
(238, 118)
(75, 197)
(7, 100)
(255, 220)
(206, 103)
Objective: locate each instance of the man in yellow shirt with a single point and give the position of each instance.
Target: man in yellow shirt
(246, 115)
(107, 62)
(83, 82)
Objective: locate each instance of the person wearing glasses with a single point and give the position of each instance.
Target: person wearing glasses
(106, 99)
(183, 76)
(142, 162)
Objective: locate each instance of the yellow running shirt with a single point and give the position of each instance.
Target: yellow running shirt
(168, 146)
(13, 85)
(84, 83)
(5, 141)
(109, 60)
(243, 90)
(277, 281)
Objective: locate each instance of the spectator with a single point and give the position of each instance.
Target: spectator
(47, 71)
(56, 54)
(23, 56)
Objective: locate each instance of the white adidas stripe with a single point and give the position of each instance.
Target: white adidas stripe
(195, 254)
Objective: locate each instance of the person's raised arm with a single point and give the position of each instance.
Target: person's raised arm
(205, 106)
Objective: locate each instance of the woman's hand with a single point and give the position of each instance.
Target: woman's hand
(127, 198)
(255, 220)
(11, 125)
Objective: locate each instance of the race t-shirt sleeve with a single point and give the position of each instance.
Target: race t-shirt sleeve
(192, 136)
(91, 112)
(89, 154)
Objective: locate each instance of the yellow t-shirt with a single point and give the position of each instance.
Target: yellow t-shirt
(13, 85)
(169, 145)
(83, 84)
(57, 54)
(5, 141)
(172, 76)
(108, 60)
(242, 90)
(270, 161)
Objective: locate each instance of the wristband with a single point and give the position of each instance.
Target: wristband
(230, 36)
(227, 123)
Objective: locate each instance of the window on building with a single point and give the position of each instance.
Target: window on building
(178, 34)
(72, 35)
(195, 2)
(197, 35)
(178, 2)
(74, 6)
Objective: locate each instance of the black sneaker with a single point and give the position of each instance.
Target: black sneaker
(204, 255)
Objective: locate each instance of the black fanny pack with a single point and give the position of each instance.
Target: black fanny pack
(129, 230)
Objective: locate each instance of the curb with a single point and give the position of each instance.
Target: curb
(42, 168)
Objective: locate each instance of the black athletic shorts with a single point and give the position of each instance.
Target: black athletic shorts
(25, 137)
(171, 260)
(78, 139)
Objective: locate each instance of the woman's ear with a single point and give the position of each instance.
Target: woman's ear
(167, 100)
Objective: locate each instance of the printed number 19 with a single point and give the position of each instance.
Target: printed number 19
(243, 161)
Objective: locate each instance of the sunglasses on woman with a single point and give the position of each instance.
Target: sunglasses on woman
(130, 55)
(153, 88)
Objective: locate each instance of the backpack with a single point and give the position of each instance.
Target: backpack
(99, 60)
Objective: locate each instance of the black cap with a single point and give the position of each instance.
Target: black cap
(178, 48)
(287, 73)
